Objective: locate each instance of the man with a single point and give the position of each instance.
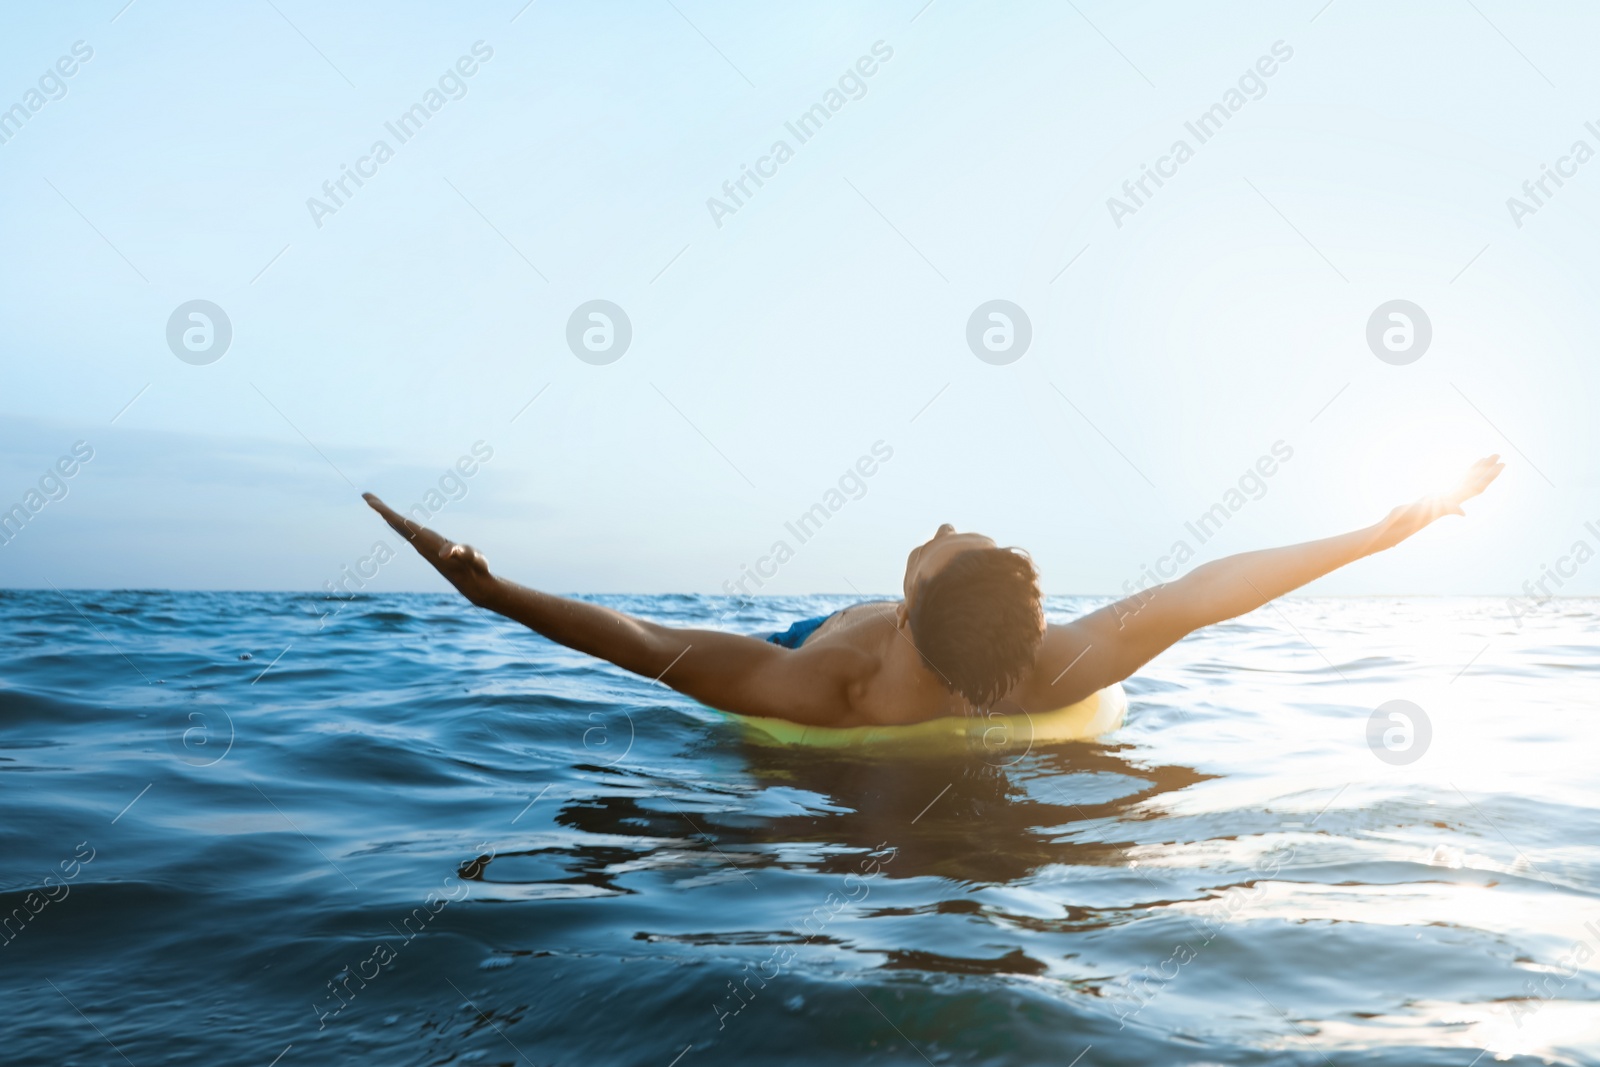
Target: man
(969, 635)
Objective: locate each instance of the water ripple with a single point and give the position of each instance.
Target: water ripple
(395, 829)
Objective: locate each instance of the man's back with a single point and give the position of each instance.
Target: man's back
(903, 687)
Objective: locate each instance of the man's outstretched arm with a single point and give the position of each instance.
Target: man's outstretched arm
(1108, 645)
(726, 671)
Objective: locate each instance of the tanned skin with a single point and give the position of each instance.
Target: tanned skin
(861, 667)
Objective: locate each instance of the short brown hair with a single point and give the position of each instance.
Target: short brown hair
(978, 622)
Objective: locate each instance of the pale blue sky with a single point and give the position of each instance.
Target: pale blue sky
(770, 353)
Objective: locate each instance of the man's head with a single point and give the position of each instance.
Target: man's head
(974, 613)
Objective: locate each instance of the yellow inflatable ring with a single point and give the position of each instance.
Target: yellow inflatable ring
(1087, 719)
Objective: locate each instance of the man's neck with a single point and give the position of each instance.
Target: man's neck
(906, 674)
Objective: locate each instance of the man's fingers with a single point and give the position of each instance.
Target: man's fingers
(413, 531)
(1486, 471)
(1477, 479)
(400, 523)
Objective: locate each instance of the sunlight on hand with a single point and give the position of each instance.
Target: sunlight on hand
(1425, 455)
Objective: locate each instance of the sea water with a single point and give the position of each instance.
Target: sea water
(247, 828)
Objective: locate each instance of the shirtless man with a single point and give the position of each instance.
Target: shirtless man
(969, 635)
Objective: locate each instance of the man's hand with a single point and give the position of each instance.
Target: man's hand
(1108, 645)
(1476, 481)
(1407, 519)
(721, 670)
(462, 565)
